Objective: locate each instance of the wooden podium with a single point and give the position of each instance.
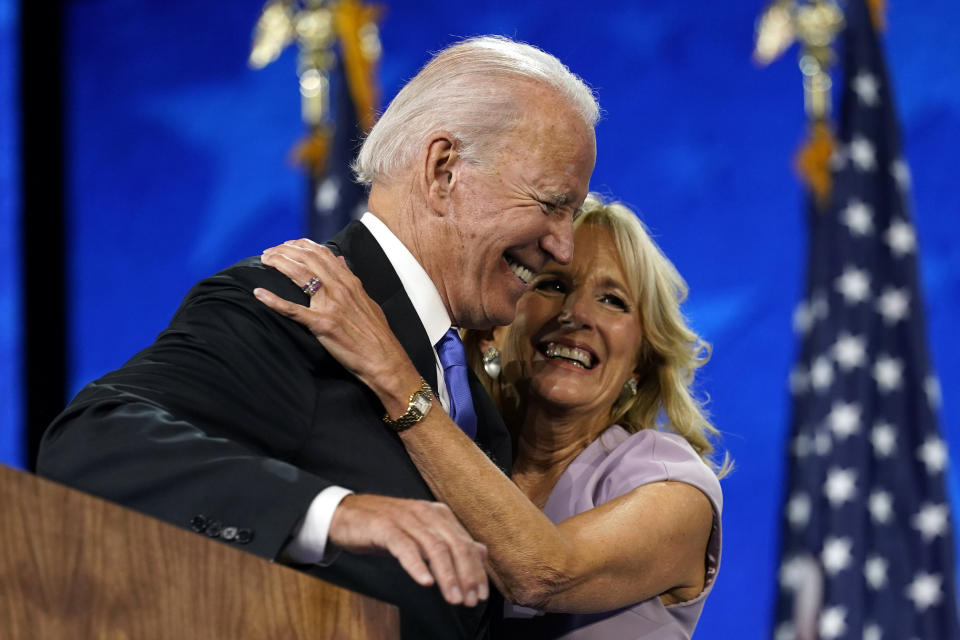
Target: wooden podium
(75, 566)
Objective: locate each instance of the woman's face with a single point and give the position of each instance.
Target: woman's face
(577, 329)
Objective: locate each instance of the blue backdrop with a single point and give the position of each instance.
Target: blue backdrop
(178, 167)
(10, 433)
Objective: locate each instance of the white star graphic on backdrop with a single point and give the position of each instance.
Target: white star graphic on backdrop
(872, 632)
(833, 623)
(900, 171)
(850, 351)
(799, 380)
(881, 506)
(931, 521)
(931, 386)
(867, 89)
(925, 590)
(894, 305)
(863, 154)
(836, 554)
(821, 373)
(844, 419)
(854, 285)
(328, 194)
(858, 216)
(875, 571)
(884, 439)
(888, 372)
(901, 238)
(798, 510)
(840, 486)
(933, 454)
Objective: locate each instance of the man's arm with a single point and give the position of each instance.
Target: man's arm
(205, 426)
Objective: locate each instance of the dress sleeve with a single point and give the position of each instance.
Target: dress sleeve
(654, 456)
(201, 428)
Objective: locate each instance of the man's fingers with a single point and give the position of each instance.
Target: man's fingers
(467, 556)
(407, 553)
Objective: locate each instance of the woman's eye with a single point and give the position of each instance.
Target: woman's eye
(615, 301)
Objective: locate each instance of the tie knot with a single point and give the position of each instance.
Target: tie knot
(450, 350)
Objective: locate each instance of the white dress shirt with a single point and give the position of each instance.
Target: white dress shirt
(309, 543)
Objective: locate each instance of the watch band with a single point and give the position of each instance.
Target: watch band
(419, 405)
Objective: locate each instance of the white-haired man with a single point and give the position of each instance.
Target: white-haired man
(236, 423)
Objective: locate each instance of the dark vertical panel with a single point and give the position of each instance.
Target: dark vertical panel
(44, 293)
(11, 430)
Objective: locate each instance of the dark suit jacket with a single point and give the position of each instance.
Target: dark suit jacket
(236, 417)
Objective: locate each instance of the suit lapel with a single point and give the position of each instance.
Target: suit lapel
(370, 264)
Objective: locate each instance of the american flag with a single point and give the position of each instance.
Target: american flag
(867, 550)
(335, 198)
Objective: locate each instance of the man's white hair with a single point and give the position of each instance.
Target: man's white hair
(466, 90)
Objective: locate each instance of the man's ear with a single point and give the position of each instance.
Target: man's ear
(441, 169)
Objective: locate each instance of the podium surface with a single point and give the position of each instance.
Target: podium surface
(76, 566)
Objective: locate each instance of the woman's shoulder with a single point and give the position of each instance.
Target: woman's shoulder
(629, 460)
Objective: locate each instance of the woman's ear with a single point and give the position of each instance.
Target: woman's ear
(487, 338)
(441, 169)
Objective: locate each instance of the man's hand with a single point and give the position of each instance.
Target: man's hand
(425, 537)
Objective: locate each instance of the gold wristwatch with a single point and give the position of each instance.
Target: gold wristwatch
(420, 402)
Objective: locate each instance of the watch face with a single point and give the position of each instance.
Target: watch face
(421, 402)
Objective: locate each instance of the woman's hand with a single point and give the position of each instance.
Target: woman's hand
(344, 319)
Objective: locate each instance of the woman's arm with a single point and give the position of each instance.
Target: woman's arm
(651, 541)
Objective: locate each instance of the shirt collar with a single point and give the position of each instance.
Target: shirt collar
(416, 283)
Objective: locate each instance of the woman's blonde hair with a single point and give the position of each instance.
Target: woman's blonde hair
(670, 351)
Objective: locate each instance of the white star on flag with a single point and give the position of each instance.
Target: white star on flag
(850, 351)
(925, 590)
(933, 454)
(931, 521)
(893, 305)
(867, 89)
(833, 623)
(840, 486)
(802, 318)
(881, 506)
(858, 216)
(854, 285)
(822, 443)
(888, 372)
(931, 386)
(821, 373)
(863, 154)
(901, 238)
(799, 380)
(328, 194)
(884, 439)
(836, 554)
(875, 570)
(844, 419)
(872, 632)
(900, 171)
(798, 510)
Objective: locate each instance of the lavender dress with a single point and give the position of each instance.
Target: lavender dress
(610, 466)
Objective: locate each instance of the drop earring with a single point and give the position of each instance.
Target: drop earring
(491, 362)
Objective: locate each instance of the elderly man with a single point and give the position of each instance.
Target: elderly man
(237, 424)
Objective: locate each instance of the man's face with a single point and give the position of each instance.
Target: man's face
(514, 214)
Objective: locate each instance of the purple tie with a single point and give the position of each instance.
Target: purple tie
(453, 359)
